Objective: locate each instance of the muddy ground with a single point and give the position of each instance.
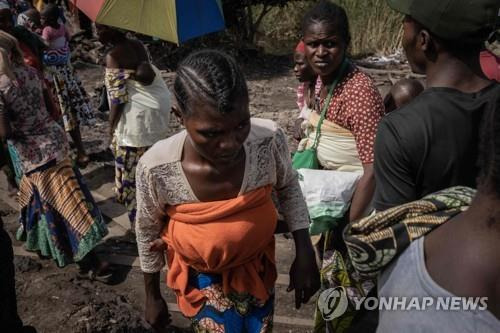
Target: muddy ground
(53, 300)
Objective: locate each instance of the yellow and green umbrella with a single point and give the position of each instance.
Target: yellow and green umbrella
(171, 20)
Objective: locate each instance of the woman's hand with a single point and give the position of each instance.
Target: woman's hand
(304, 273)
(158, 245)
(297, 129)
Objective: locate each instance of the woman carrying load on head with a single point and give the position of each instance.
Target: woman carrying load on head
(353, 108)
(208, 192)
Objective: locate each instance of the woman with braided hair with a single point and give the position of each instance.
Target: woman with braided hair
(210, 192)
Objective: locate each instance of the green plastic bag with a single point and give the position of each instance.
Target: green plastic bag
(306, 159)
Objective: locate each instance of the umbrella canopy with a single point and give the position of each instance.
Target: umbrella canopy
(172, 20)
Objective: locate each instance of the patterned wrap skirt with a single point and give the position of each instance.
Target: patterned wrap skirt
(233, 313)
(73, 100)
(126, 159)
(59, 218)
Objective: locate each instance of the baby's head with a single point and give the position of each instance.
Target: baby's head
(401, 93)
(144, 73)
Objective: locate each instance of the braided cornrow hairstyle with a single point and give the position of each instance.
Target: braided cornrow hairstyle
(210, 76)
(489, 149)
(331, 14)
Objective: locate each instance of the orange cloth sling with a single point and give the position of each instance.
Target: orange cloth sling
(234, 238)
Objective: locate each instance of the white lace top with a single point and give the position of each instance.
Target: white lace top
(160, 182)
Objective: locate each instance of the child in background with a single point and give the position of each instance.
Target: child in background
(401, 93)
(309, 86)
(73, 100)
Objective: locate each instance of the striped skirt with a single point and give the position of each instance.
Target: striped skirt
(59, 217)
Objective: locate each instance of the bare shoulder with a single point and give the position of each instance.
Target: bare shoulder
(126, 55)
(113, 57)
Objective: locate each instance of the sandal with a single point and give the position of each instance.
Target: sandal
(92, 275)
(104, 273)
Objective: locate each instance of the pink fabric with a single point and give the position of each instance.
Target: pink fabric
(50, 33)
(89, 8)
(490, 64)
(300, 92)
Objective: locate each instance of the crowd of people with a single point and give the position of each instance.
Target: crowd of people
(421, 165)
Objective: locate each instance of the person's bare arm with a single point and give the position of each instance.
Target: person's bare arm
(150, 221)
(363, 194)
(304, 273)
(115, 114)
(116, 110)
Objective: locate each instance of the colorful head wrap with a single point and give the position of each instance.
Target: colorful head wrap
(301, 47)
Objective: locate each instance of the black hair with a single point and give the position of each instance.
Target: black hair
(489, 149)
(211, 76)
(51, 11)
(331, 14)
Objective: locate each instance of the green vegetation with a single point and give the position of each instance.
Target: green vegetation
(375, 28)
(244, 17)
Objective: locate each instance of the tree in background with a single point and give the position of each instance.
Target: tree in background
(244, 17)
